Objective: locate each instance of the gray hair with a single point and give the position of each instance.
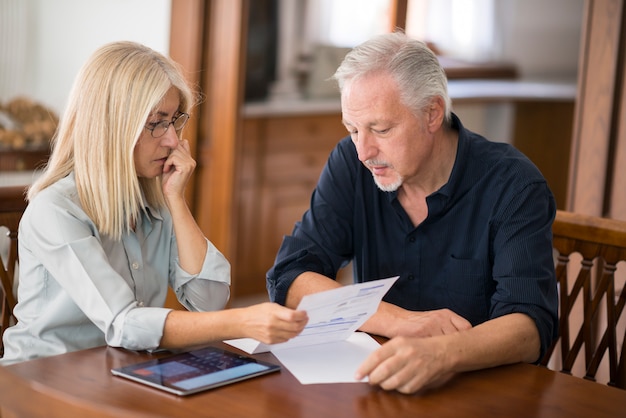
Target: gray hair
(413, 65)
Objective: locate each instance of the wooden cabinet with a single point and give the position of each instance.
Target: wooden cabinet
(20, 160)
(543, 132)
(281, 159)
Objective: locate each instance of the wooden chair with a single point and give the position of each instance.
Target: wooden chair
(592, 288)
(12, 205)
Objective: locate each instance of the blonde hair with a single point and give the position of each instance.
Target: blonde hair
(110, 101)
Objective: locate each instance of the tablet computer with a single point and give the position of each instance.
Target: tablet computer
(194, 371)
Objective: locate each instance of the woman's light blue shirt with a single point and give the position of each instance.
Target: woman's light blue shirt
(79, 289)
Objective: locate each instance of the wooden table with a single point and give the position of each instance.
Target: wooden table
(519, 390)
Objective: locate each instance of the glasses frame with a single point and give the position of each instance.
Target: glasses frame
(165, 125)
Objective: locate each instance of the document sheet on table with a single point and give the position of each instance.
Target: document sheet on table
(329, 349)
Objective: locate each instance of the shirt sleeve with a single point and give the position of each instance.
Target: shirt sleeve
(523, 266)
(209, 290)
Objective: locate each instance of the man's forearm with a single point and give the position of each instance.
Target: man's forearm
(508, 339)
(307, 283)
(386, 321)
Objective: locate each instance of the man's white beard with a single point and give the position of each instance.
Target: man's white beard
(389, 187)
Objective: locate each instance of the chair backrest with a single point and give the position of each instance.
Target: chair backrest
(12, 205)
(592, 290)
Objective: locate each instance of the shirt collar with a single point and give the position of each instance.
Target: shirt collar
(438, 201)
(150, 210)
(459, 162)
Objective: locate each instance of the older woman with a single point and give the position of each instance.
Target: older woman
(107, 228)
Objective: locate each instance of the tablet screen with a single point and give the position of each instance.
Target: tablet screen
(195, 371)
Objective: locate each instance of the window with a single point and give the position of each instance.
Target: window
(345, 23)
(462, 28)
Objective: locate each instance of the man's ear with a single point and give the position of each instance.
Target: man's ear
(436, 113)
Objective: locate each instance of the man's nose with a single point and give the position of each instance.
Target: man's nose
(365, 146)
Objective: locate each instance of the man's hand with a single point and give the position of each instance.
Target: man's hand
(392, 321)
(410, 364)
(430, 323)
(407, 364)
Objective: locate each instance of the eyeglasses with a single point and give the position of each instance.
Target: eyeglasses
(157, 130)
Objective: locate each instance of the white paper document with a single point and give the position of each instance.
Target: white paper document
(333, 362)
(329, 338)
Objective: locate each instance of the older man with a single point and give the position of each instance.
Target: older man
(465, 223)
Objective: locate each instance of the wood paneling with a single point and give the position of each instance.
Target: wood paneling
(617, 203)
(543, 132)
(187, 28)
(282, 158)
(594, 140)
(208, 40)
(14, 160)
(220, 120)
(398, 13)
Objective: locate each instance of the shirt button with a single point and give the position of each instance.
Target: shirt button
(410, 277)
(135, 265)
(140, 304)
(411, 239)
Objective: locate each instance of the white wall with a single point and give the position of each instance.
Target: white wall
(541, 37)
(58, 36)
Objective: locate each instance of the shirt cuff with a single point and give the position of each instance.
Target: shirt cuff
(143, 328)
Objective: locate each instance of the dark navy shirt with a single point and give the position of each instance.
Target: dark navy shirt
(484, 250)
